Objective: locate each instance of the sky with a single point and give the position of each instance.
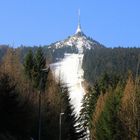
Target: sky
(42, 22)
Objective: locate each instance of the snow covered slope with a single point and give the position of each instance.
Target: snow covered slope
(78, 40)
(71, 73)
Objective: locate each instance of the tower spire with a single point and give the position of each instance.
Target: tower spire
(79, 25)
(78, 16)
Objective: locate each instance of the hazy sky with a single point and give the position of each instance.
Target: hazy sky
(40, 22)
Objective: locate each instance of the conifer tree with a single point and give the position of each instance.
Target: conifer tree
(16, 113)
(70, 124)
(88, 108)
(29, 64)
(109, 125)
(39, 75)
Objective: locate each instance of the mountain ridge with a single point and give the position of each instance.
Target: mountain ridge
(78, 40)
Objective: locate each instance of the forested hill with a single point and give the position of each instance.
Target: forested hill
(116, 61)
(51, 54)
(110, 109)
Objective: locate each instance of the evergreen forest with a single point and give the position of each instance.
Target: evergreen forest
(29, 94)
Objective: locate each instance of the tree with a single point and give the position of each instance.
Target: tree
(88, 108)
(29, 65)
(98, 110)
(16, 113)
(108, 125)
(50, 110)
(70, 124)
(11, 64)
(39, 76)
(129, 109)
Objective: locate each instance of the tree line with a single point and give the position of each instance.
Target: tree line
(116, 61)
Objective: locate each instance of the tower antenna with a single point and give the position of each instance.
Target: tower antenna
(79, 16)
(79, 25)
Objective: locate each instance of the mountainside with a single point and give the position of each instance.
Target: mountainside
(112, 61)
(79, 41)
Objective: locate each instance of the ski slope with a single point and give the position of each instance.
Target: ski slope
(70, 71)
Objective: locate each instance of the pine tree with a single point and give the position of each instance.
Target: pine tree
(70, 125)
(88, 108)
(39, 75)
(29, 65)
(109, 126)
(16, 113)
(83, 118)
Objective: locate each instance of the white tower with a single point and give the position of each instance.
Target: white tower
(79, 25)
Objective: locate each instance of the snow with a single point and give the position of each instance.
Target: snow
(71, 73)
(80, 42)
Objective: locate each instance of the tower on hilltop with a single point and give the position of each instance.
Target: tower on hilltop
(79, 30)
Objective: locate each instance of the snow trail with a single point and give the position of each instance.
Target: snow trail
(71, 73)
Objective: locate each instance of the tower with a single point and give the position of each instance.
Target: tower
(79, 25)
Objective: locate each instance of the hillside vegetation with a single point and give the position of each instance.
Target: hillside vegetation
(110, 107)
